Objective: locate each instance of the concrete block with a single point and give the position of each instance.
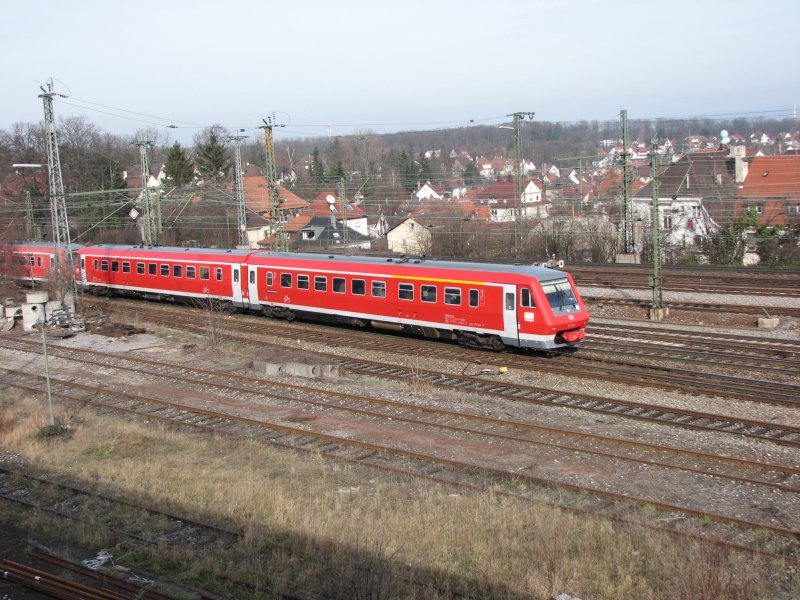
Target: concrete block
(658, 314)
(768, 322)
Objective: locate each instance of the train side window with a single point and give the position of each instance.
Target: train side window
(96, 262)
(270, 278)
(115, 266)
(525, 299)
(190, 272)
(358, 287)
(379, 289)
(474, 298)
(165, 270)
(252, 276)
(177, 270)
(320, 284)
(339, 285)
(126, 267)
(219, 274)
(302, 282)
(204, 273)
(428, 293)
(140, 268)
(235, 275)
(452, 296)
(31, 260)
(405, 291)
(104, 265)
(38, 261)
(510, 301)
(286, 280)
(152, 268)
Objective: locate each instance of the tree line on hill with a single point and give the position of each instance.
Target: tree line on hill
(93, 160)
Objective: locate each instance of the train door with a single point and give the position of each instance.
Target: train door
(510, 322)
(252, 288)
(236, 284)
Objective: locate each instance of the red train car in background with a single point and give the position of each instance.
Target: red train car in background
(34, 262)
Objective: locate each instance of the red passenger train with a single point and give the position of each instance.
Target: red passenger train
(481, 305)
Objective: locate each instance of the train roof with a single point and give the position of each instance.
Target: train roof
(376, 262)
(171, 249)
(542, 273)
(38, 245)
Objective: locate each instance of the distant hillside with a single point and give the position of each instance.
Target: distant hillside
(542, 142)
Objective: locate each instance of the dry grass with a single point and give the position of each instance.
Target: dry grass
(308, 520)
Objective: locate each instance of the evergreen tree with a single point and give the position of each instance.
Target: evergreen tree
(317, 170)
(471, 176)
(212, 160)
(337, 172)
(178, 169)
(408, 171)
(424, 169)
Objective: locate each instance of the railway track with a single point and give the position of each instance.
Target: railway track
(609, 367)
(470, 425)
(751, 282)
(367, 452)
(742, 309)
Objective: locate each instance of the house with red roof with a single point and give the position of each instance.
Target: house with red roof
(257, 200)
(329, 221)
(771, 190)
(695, 195)
(428, 192)
(484, 166)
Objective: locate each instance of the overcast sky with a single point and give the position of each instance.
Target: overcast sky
(355, 65)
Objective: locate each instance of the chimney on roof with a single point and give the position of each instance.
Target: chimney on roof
(740, 165)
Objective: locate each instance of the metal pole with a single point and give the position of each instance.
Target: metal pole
(518, 117)
(47, 374)
(58, 210)
(58, 206)
(627, 178)
(657, 306)
(344, 213)
(240, 203)
(149, 227)
(281, 241)
(28, 215)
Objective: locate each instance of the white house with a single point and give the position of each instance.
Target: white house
(505, 207)
(409, 237)
(430, 192)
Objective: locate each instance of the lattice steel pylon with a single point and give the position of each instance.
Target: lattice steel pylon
(655, 280)
(58, 205)
(627, 179)
(152, 216)
(281, 242)
(518, 158)
(241, 208)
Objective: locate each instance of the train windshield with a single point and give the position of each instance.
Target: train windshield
(560, 296)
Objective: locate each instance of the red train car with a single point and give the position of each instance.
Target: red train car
(481, 305)
(34, 262)
(164, 273)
